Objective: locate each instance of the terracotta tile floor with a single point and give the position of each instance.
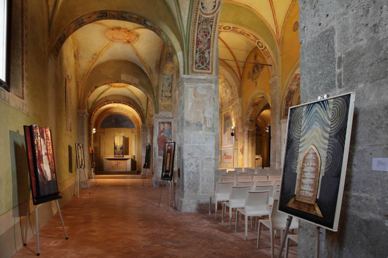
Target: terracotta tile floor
(122, 218)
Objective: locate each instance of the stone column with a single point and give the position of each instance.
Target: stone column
(198, 117)
(83, 136)
(275, 124)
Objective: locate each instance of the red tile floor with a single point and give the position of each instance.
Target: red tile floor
(123, 218)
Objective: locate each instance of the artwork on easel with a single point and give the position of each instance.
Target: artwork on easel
(41, 164)
(315, 161)
(80, 155)
(147, 159)
(168, 161)
(70, 156)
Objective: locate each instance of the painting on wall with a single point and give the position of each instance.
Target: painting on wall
(164, 135)
(315, 160)
(41, 164)
(227, 125)
(79, 155)
(70, 157)
(166, 89)
(293, 94)
(120, 146)
(227, 155)
(168, 161)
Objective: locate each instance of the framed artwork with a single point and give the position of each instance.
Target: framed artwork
(118, 146)
(315, 160)
(70, 156)
(4, 40)
(168, 161)
(41, 164)
(164, 135)
(79, 155)
(147, 159)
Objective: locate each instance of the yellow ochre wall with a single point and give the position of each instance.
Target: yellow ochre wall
(43, 104)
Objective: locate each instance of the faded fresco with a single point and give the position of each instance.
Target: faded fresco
(164, 135)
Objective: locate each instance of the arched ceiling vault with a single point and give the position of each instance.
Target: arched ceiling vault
(116, 73)
(68, 16)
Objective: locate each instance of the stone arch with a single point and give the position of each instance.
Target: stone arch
(118, 100)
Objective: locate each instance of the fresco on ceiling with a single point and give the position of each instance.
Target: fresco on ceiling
(104, 15)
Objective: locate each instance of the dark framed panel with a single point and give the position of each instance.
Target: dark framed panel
(80, 155)
(168, 161)
(70, 157)
(315, 161)
(41, 164)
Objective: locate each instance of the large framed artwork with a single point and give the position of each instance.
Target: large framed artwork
(168, 161)
(164, 135)
(70, 156)
(41, 164)
(79, 155)
(315, 160)
(4, 42)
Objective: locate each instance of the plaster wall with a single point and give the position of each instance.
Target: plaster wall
(344, 48)
(42, 104)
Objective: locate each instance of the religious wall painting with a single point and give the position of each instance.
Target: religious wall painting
(315, 160)
(227, 125)
(293, 94)
(166, 89)
(41, 164)
(256, 70)
(164, 135)
(168, 161)
(121, 145)
(227, 155)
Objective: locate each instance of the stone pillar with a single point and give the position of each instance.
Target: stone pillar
(275, 124)
(83, 136)
(198, 117)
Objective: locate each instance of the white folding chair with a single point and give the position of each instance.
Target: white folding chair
(256, 205)
(276, 221)
(236, 199)
(269, 189)
(221, 194)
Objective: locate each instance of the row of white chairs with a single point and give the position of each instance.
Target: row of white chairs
(252, 199)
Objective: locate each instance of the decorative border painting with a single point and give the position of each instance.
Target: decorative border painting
(315, 160)
(168, 161)
(41, 164)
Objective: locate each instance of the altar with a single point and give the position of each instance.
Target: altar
(119, 164)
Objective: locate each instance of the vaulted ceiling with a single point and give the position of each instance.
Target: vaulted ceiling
(106, 40)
